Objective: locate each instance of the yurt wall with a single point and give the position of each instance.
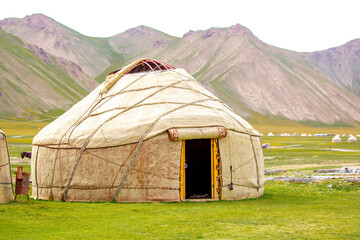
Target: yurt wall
(242, 166)
(153, 177)
(6, 190)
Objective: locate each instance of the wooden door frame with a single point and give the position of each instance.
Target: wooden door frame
(182, 172)
(215, 171)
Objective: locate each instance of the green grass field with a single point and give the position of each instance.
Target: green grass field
(309, 153)
(286, 210)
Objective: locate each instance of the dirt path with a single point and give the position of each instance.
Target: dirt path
(341, 150)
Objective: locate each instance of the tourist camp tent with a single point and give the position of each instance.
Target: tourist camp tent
(352, 139)
(6, 189)
(336, 139)
(150, 132)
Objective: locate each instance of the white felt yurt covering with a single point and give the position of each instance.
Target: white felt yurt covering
(6, 189)
(114, 144)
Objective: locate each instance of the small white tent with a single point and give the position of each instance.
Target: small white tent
(336, 139)
(352, 139)
(6, 189)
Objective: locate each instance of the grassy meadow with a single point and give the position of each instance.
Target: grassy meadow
(310, 153)
(286, 210)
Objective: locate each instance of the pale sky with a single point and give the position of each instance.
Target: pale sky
(299, 25)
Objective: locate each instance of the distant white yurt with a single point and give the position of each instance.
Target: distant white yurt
(358, 135)
(295, 134)
(150, 132)
(270, 134)
(352, 139)
(336, 139)
(6, 189)
(303, 135)
(309, 135)
(344, 135)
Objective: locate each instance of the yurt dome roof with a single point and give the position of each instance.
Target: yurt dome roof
(144, 104)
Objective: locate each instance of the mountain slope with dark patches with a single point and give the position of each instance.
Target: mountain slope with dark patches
(32, 82)
(91, 54)
(252, 76)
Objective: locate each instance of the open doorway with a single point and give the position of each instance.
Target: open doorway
(198, 168)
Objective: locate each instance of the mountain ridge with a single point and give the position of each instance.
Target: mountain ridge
(248, 74)
(33, 82)
(61, 41)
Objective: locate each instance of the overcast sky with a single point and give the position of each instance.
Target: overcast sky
(299, 25)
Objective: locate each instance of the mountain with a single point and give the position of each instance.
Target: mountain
(33, 82)
(140, 40)
(252, 77)
(91, 54)
(340, 64)
(134, 43)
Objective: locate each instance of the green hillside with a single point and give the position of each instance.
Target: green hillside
(30, 86)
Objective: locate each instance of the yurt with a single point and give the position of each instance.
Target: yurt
(336, 139)
(352, 139)
(6, 189)
(149, 133)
